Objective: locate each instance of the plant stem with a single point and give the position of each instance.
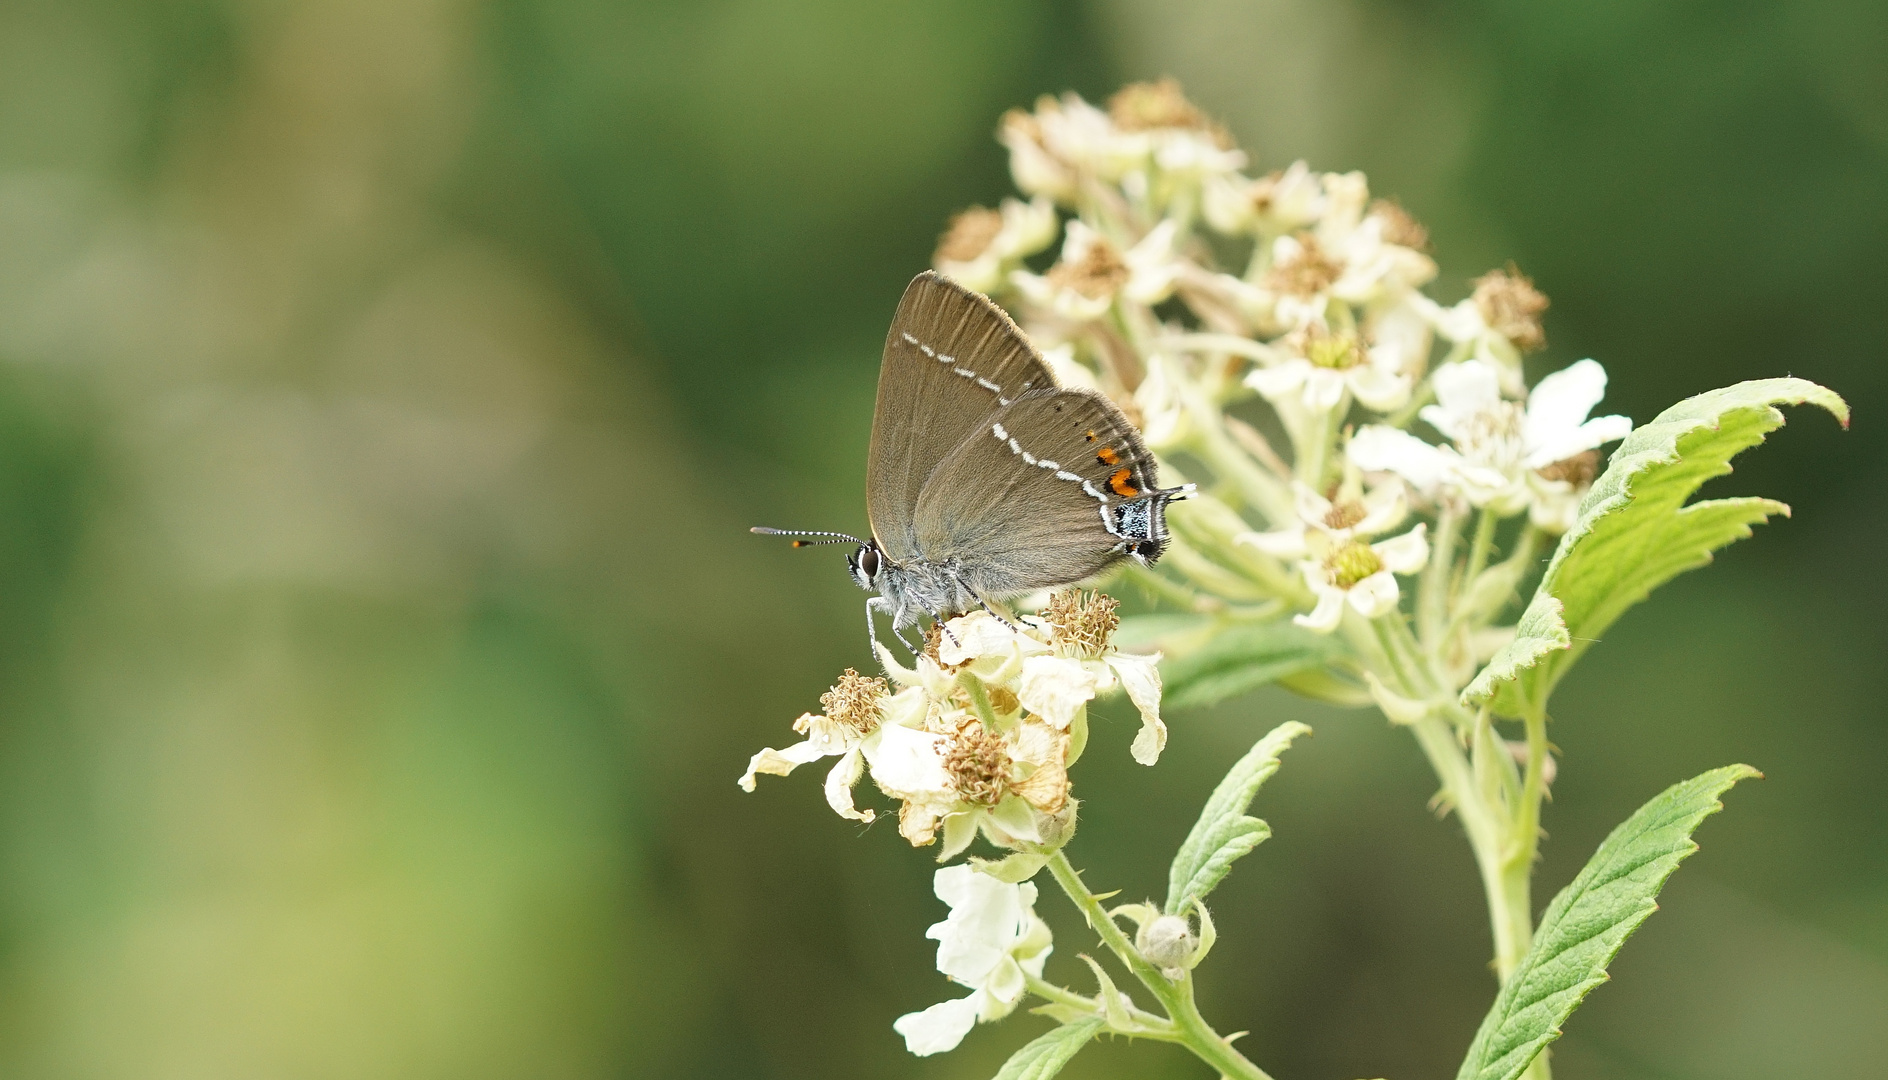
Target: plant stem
(1147, 1025)
(1479, 547)
(1176, 996)
(1432, 590)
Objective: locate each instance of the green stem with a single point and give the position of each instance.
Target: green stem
(1146, 1024)
(1176, 996)
(979, 700)
(1479, 547)
(1432, 591)
(1523, 845)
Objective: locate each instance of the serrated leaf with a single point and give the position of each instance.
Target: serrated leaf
(1588, 922)
(1224, 832)
(1635, 531)
(1241, 658)
(1043, 1057)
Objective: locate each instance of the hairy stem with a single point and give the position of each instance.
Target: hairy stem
(1176, 997)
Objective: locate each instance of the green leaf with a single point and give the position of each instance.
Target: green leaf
(1588, 922)
(1224, 832)
(1045, 1056)
(1635, 531)
(1241, 658)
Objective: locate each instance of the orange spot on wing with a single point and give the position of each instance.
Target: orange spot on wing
(1107, 456)
(1090, 436)
(1122, 485)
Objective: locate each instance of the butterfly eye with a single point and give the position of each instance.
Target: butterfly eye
(868, 562)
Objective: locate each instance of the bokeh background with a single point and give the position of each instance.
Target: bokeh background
(386, 387)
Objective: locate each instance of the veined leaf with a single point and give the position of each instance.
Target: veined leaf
(1635, 531)
(1224, 832)
(1043, 1057)
(1241, 658)
(1588, 922)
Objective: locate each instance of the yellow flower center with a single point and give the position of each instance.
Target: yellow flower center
(1351, 564)
(1336, 351)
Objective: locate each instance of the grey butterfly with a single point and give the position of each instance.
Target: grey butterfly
(985, 480)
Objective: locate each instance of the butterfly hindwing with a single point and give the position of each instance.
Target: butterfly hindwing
(1022, 502)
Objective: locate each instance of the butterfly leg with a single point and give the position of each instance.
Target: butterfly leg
(880, 603)
(997, 615)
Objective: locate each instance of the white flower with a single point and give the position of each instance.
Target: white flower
(1327, 366)
(871, 727)
(991, 942)
(1271, 205)
(1083, 284)
(1376, 511)
(1087, 139)
(982, 245)
(1163, 409)
(1496, 444)
(1498, 323)
(1362, 575)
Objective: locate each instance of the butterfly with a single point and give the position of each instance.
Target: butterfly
(986, 480)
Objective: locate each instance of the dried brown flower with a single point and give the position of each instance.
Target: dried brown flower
(969, 235)
(1098, 274)
(1511, 306)
(978, 764)
(1081, 623)
(855, 701)
(1307, 273)
(1398, 226)
(1580, 470)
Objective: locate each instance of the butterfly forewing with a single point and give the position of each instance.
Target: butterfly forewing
(1019, 503)
(952, 357)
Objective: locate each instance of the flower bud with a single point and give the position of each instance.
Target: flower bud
(1167, 943)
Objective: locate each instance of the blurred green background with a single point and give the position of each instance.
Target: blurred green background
(385, 389)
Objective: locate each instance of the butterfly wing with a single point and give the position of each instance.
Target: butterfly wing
(951, 357)
(1022, 502)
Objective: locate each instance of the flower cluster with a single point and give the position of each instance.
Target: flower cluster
(1188, 290)
(978, 736)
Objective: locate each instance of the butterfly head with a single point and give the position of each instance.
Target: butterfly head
(867, 564)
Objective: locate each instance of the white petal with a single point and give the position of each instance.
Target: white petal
(1404, 554)
(1053, 688)
(1385, 507)
(782, 762)
(1375, 595)
(1284, 543)
(938, 1028)
(1385, 449)
(906, 761)
(1312, 507)
(1140, 677)
(1378, 390)
(839, 787)
(1324, 618)
(1324, 388)
(1561, 401)
(1276, 383)
(1590, 435)
(1465, 389)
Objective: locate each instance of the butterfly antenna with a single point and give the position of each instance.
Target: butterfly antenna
(837, 537)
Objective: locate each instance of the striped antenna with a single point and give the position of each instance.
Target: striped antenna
(838, 537)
